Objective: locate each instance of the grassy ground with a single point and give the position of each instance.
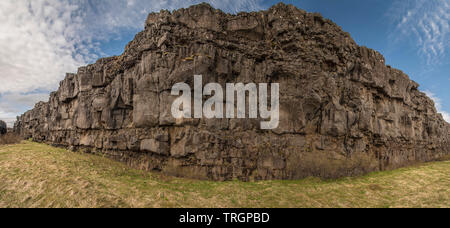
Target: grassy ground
(37, 175)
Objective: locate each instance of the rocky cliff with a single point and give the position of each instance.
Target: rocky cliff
(342, 110)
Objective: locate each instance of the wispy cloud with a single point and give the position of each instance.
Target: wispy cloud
(41, 40)
(427, 22)
(438, 104)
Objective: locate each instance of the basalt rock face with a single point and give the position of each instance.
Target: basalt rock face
(338, 101)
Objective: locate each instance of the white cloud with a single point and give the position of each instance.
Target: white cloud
(41, 40)
(438, 104)
(36, 43)
(13, 103)
(428, 23)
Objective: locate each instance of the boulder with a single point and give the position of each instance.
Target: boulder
(3, 127)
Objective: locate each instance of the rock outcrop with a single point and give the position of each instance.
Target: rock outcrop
(342, 110)
(3, 127)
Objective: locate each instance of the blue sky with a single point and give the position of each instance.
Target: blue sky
(40, 40)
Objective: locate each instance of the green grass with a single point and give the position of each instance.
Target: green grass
(38, 175)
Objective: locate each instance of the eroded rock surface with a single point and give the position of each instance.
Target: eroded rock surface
(339, 101)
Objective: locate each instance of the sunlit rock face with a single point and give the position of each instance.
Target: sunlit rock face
(342, 110)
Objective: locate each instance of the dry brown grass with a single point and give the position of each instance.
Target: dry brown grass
(37, 175)
(322, 164)
(9, 138)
